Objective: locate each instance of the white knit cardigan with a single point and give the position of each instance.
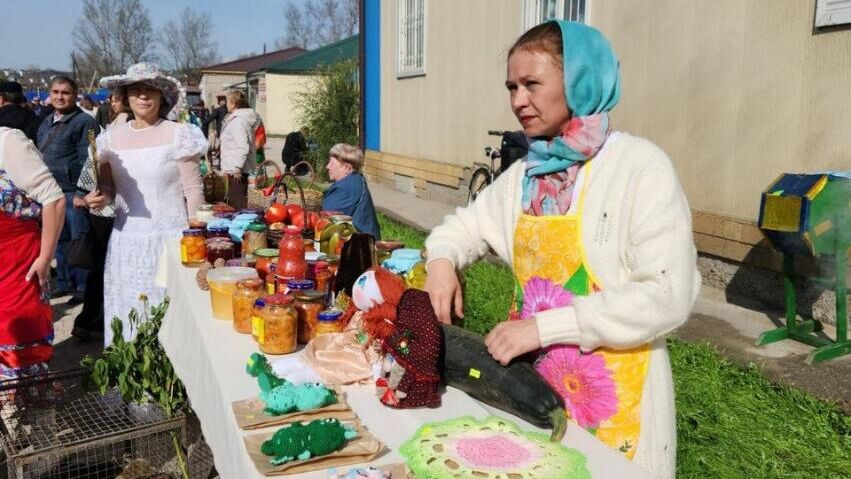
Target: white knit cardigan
(636, 233)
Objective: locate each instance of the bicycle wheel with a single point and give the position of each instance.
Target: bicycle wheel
(481, 178)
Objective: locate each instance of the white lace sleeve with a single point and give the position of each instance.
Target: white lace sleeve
(104, 146)
(189, 142)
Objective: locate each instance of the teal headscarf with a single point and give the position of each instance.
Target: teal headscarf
(592, 87)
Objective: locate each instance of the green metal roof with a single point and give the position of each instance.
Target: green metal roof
(316, 60)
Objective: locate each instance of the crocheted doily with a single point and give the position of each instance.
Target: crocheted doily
(489, 449)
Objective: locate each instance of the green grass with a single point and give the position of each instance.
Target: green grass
(732, 422)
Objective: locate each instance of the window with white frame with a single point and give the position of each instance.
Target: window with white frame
(832, 12)
(411, 38)
(536, 12)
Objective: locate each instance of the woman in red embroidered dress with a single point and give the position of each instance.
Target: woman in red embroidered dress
(28, 193)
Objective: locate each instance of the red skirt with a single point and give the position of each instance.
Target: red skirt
(26, 323)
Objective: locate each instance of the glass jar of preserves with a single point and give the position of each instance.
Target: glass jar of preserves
(291, 262)
(329, 322)
(204, 213)
(219, 248)
(333, 264)
(218, 232)
(323, 277)
(257, 317)
(248, 291)
(265, 257)
(279, 334)
(253, 239)
(293, 286)
(308, 304)
(193, 251)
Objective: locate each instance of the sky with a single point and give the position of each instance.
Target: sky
(40, 30)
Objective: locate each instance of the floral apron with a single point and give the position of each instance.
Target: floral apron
(602, 389)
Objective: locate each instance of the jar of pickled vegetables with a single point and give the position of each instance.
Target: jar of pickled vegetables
(253, 239)
(219, 248)
(323, 277)
(248, 291)
(329, 322)
(308, 304)
(193, 251)
(279, 334)
(265, 256)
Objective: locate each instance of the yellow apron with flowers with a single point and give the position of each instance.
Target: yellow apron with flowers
(602, 389)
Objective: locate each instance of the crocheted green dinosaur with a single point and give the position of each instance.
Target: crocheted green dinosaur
(282, 396)
(298, 441)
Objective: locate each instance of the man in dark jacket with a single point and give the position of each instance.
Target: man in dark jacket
(218, 115)
(12, 114)
(64, 145)
(294, 150)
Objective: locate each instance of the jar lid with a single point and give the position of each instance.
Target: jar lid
(224, 215)
(253, 283)
(330, 315)
(217, 229)
(193, 232)
(233, 262)
(309, 296)
(320, 265)
(256, 227)
(332, 259)
(260, 303)
(300, 284)
(266, 253)
(279, 299)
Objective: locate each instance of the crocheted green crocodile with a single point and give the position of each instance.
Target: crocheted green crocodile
(298, 441)
(282, 396)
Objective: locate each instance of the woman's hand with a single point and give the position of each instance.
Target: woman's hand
(79, 202)
(96, 200)
(444, 289)
(510, 339)
(40, 268)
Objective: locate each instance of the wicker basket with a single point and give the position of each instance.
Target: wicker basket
(312, 199)
(215, 187)
(256, 198)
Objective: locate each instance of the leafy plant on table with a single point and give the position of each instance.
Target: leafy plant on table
(139, 369)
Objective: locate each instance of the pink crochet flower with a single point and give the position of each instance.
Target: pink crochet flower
(541, 294)
(583, 381)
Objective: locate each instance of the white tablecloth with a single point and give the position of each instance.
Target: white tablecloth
(210, 359)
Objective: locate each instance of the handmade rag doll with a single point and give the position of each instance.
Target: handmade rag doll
(411, 378)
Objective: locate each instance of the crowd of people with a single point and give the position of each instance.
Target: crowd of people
(97, 190)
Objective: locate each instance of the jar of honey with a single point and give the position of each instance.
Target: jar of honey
(329, 322)
(308, 304)
(279, 334)
(248, 291)
(193, 251)
(253, 239)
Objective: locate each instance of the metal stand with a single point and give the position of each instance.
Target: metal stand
(803, 331)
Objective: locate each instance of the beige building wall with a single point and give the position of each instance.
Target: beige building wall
(212, 83)
(444, 115)
(736, 91)
(280, 110)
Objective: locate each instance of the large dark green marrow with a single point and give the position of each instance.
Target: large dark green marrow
(516, 388)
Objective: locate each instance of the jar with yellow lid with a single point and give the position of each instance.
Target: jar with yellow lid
(248, 291)
(308, 304)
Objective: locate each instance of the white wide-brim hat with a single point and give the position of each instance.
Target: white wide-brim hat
(173, 92)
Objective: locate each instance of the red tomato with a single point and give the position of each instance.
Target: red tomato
(298, 219)
(277, 213)
(294, 211)
(312, 218)
(320, 225)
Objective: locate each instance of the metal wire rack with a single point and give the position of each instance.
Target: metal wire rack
(51, 428)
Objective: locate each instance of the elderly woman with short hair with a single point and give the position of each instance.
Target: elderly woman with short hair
(349, 194)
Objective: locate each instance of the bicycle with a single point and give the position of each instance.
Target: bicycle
(512, 148)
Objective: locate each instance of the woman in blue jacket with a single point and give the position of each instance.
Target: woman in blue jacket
(349, 193)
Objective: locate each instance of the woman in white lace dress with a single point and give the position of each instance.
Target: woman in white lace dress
(149, 165)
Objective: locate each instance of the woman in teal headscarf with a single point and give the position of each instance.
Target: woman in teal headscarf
(597, 231)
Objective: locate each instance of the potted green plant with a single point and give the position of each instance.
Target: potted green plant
(139, 369)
